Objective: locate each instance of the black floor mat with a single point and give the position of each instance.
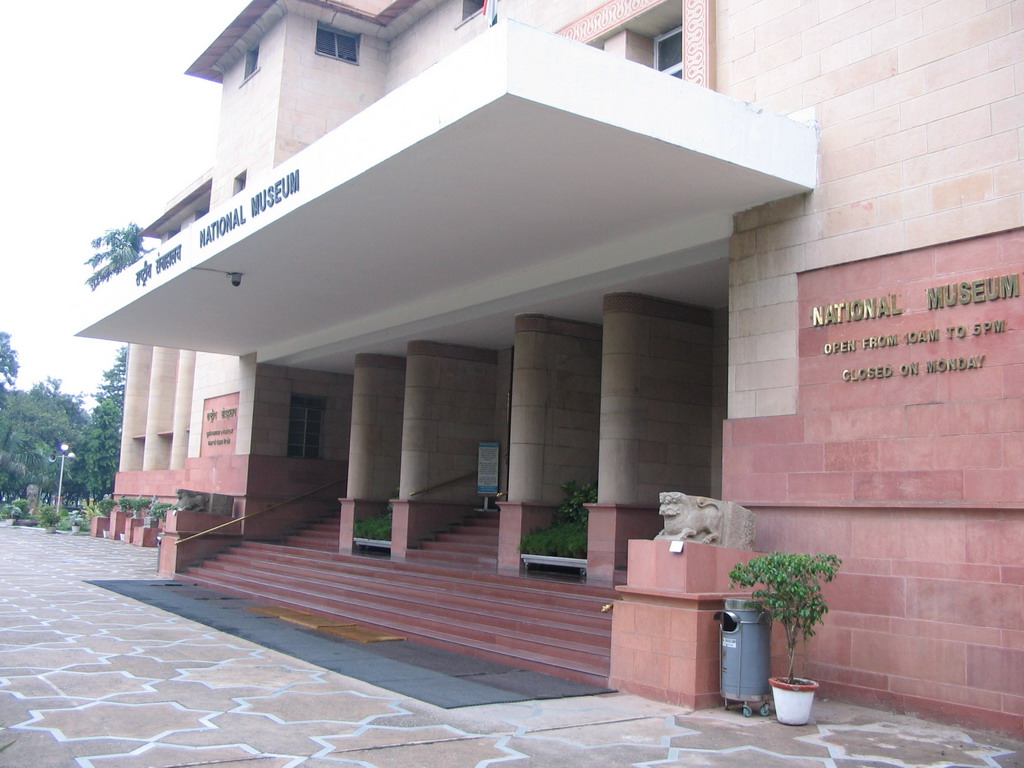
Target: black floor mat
(441, 678)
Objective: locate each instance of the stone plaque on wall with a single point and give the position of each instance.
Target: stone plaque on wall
(220, 425)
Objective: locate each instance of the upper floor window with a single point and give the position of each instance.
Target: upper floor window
(471, 7)
(668, 52)
(252, 63)
(337, 43)
(304, 425)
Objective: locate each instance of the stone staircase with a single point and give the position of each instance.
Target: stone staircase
(446, 595)
(473, 543)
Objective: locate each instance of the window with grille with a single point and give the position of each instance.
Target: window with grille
(668, 52)
(305, 424)
(337, 44)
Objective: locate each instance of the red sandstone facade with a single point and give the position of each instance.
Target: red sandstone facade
(687, 308)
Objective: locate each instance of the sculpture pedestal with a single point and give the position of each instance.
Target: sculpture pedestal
(665, 639)
(175, 557)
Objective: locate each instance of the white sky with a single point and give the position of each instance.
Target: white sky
(100, 127)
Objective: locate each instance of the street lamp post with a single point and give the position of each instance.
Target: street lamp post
(65, 453)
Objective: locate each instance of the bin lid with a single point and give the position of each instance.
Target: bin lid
(736, 604)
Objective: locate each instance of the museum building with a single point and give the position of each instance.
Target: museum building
(765, 251)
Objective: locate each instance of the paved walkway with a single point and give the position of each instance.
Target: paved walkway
(92, 679)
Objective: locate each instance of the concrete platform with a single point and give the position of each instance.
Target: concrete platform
(94, 679)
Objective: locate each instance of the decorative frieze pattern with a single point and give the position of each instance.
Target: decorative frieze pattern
(606, 18)
(697, 32)
(697, 40)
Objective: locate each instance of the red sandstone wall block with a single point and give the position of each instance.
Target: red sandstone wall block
(861, 455)
(977, 604)
(969, 696)
(996, 669)
(926, 659)
(998, 540)
(790, 457)
(764, 488)
(821, 487)
(994, 486)
(770, 429)
(908, 486)
(957, 633)
(861, 593)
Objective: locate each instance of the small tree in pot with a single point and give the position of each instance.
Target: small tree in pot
(788, 586)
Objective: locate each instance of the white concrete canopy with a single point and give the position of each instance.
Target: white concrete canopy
(523, 173)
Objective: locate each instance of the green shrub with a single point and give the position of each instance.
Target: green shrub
(571, 510)
(137, 506)
(105, 506)
(564, 540)
(567, 534)
(160, 510)
(48, 516)
(790, 591)
(377, 528)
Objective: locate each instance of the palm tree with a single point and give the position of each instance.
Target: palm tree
(15, 457)
(123, 247)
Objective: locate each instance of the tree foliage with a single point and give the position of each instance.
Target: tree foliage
(116, 250)
(790, 591)
(8, 363)
(101, 449)
(39, 421)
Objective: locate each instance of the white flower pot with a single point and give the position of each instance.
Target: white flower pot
(793, 702)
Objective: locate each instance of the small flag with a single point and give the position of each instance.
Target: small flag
(490, 11)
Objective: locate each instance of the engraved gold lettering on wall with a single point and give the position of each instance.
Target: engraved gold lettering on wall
(856, 310)
(974, 292)
(946, 296)
(220, 422)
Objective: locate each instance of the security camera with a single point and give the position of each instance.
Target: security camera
(235, 278)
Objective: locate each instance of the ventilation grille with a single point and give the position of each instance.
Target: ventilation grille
(337, 44)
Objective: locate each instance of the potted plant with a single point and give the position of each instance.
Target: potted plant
(75, 519)
(49, 518)
(788, 586)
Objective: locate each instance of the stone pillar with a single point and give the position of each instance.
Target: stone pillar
(621, 407)
(656, 416)
(136, 402)
(160, 409)
(449, 411)
(556, 390)
(182, 408)
(375, 444)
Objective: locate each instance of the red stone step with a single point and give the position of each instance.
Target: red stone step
(485, 585)
(531, 644)
(445, 594)
(471, 620)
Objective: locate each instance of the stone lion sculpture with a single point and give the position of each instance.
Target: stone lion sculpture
(193, 501)
(206, 503)
(708, 521)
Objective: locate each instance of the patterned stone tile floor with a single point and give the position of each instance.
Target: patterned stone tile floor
(91, 679)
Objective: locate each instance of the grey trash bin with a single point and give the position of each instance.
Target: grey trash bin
(746, 654)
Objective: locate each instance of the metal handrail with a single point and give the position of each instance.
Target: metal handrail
(234, 520)
(442, 485)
